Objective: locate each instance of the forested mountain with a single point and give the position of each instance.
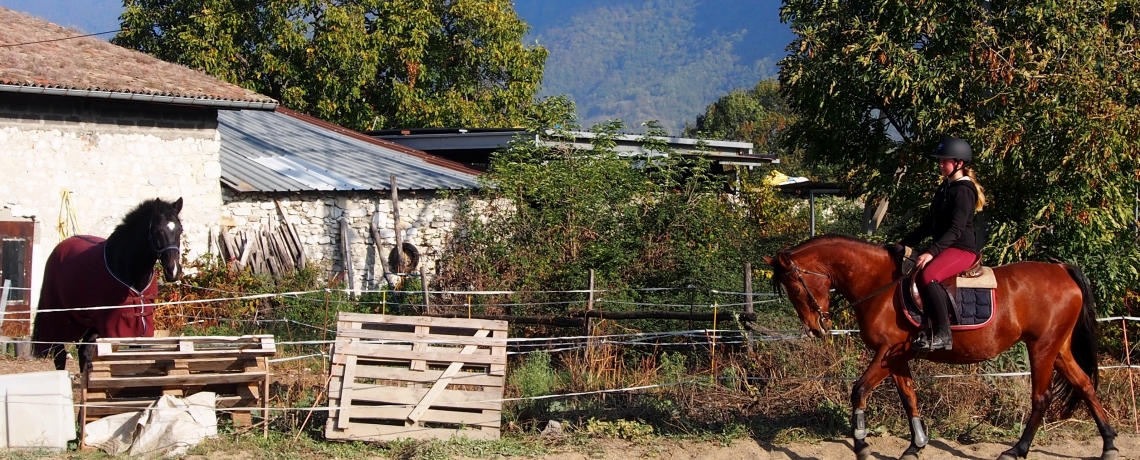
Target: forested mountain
(654, 59)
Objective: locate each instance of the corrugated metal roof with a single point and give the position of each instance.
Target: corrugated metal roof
(285, 151)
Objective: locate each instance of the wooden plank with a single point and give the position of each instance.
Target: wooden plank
(344, 403)
(100, 409)
(458, 323)
(409, 396)
(431, 339)
(441, 384)
(398, 413)
(134, 356)
(499, 369)
(257, 339)
(368, 432)
(175, 380)
(418, 350)
(428, 376)
(158, 367)
(367, 350)
(379, 349)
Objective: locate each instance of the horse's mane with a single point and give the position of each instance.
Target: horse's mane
(824, 239)
(778, 270)
(140, 216)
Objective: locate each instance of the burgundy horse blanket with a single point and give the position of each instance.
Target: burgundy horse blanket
(76, 278)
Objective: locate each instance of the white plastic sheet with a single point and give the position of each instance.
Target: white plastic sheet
(170, 426)
(36, 410)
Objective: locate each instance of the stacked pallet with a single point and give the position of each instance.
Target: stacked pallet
(129, 374)
(276, 252)
(398, 377)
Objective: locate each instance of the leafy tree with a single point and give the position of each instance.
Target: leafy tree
(361, 63)
(759, 115)
(1045, 92)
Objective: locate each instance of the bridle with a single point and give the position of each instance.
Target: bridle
(159, 251)
(822, 314)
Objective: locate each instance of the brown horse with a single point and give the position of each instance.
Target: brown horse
(1047, 306)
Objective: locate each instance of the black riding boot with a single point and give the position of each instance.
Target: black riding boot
(934, 296)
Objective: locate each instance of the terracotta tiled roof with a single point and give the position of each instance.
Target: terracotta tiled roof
(91, 64)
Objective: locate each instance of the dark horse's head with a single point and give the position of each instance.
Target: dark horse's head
(154, 225)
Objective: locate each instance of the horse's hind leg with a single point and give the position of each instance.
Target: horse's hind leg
(860, 391)
(900, 370)
(1041, 375)
(1072, 372)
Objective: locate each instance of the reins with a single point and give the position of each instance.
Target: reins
(814, 304)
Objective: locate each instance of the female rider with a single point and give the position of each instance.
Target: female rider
(950, 224)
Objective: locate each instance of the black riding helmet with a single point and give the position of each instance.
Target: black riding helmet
(954, 149)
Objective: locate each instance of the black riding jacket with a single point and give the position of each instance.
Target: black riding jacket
(950, 221)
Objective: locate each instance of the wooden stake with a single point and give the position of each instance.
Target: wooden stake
(1128, 361)
(713, 342)
(424, 283)
(748, 311)
(588, 324)
(396, 225)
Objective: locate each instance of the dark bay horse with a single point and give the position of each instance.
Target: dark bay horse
(83, 272)
(1047, 306)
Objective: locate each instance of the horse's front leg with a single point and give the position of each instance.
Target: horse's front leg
(900, 370)
(862, 389)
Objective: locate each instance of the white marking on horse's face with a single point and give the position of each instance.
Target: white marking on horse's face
(171, 226)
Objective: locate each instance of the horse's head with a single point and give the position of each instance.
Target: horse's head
(165, 236)
(807, 288)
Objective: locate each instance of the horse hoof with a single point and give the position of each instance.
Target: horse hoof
(1110, 455)
(863, 453)
(909, 456)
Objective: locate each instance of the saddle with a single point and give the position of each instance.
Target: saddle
(972, 296)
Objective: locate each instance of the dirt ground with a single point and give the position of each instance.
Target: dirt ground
(886, 447)
(882, 448)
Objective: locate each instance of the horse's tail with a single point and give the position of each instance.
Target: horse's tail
(1083, 345)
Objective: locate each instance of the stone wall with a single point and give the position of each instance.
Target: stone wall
(111, 155)
(426, 219)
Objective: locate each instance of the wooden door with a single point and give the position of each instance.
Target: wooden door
(16, 267)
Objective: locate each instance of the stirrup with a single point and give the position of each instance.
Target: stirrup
(925, 343)
(928, 341)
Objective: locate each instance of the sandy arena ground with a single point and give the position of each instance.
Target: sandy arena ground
(887, 447)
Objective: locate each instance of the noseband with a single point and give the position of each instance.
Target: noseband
(159, 251)
(823, 315)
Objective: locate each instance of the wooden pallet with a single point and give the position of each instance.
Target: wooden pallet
(398, 377)
(129, 374)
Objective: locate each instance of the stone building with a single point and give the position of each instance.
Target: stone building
(107, 126)
(284, 164)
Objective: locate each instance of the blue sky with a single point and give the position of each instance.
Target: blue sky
(90, 16)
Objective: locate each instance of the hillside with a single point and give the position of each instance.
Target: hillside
(654, 59)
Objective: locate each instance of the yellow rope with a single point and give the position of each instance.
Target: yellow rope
(68, 224)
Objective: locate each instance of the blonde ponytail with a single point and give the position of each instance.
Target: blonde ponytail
(981, 202)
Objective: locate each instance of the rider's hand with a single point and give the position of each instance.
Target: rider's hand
(924, 259)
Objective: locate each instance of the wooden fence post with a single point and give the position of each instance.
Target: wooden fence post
(396, 225)
(587, 325)
(424, 284)
(748, 311)
(1128, 362)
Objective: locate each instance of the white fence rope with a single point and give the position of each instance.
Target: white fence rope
(699, 380)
